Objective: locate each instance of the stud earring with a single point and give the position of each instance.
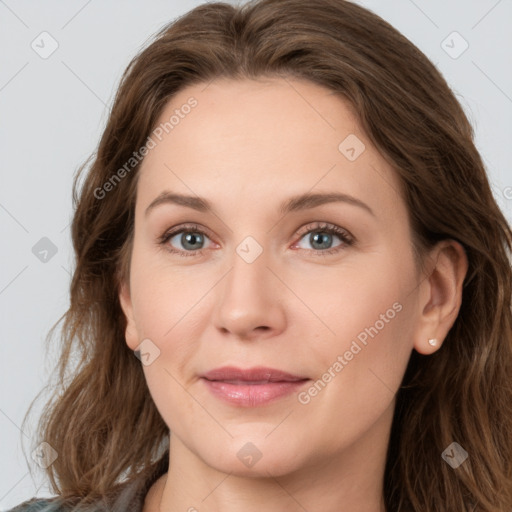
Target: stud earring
(432, 341)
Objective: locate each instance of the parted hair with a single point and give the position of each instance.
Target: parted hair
(100, 417)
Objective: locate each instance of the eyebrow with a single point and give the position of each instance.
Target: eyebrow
(294, 204)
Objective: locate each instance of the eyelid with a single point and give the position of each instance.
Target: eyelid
(328, 226)
(187, 227)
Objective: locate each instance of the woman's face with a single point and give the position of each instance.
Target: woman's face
(257, 279)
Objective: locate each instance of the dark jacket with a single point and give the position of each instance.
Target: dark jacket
(128, 498)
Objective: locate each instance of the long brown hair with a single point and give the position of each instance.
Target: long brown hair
(103, 422)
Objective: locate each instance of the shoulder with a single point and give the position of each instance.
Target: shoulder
(38, 505)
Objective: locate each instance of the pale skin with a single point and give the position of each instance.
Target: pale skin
(247, 147)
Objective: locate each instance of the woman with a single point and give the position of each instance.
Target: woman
(289, 225)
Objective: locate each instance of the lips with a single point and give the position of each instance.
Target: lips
(252, 387)
(256, 375)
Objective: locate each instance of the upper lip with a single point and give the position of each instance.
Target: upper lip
(255, 374)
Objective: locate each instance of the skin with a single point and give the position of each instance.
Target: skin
(246, 147)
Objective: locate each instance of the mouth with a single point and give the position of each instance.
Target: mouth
(256, 375)
(252, 387)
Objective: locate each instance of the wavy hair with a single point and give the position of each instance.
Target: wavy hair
(101, 418)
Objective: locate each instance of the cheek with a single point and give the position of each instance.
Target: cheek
(165, 295)
(361, 340)
(340, 304)
(360, 379)
(168, 312)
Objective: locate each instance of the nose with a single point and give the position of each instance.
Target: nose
(250, 300)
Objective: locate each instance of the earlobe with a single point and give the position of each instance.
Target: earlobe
(441, 297)
(131, 336)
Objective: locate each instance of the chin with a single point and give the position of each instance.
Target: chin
(254, 456)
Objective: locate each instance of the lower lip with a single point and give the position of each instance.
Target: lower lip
(253, 395)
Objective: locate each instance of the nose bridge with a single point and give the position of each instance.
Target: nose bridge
(248, 299)
(249, 273)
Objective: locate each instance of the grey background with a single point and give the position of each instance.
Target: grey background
(53, 111)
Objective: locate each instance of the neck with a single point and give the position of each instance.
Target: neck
(350, 478)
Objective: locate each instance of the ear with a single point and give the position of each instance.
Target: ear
(131, 335)
(440, 295)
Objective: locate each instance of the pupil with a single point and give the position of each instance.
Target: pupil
(319, 236)
(191, 239)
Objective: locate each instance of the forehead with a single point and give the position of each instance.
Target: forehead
(259, 139)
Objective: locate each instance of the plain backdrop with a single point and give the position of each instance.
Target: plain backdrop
(53, 109)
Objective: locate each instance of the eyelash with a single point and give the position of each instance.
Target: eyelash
(331, 229)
